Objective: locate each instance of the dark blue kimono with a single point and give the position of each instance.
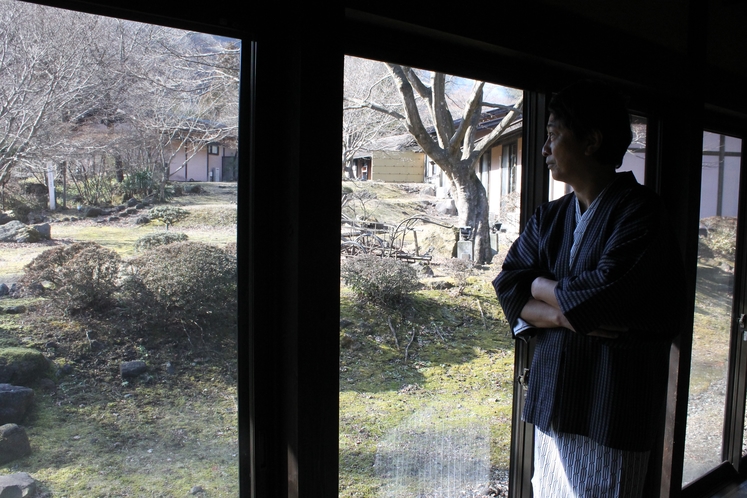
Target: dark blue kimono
(627, 273)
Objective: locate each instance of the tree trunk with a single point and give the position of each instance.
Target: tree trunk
(472, 204)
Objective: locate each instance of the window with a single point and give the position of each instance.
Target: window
(103, 122)
(426, 381)
(715, 325)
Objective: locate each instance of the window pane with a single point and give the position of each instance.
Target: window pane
(426, 381)
(100, 120)
(713, 304)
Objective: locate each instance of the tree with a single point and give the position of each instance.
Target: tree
(452, 144)
(190, 95)
(42, 71)
(365, 82)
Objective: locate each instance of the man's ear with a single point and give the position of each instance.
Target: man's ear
(593, 142)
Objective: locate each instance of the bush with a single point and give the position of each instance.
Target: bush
(158, 239)
(168, 214)
(138, 184)
(186, 282)
(385, 281)
(459, 269)
(81, 276)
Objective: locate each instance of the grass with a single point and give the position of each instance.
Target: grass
(164, 434)
(448, 373)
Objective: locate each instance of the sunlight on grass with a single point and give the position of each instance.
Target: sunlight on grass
(455, 389)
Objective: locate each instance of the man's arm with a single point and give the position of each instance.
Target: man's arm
(543, 311)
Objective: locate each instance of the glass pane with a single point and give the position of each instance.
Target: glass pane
(100, 119)
(634, 159)
(426, 371)
(713, 304)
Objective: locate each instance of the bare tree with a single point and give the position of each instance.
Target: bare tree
(370, 105)
(452, 143)
(188, 97)
(42, 72)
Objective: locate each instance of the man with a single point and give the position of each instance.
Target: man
(596, 278)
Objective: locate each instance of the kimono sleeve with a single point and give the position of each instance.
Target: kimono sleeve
(521, 266)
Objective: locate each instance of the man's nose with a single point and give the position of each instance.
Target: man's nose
(546, 148)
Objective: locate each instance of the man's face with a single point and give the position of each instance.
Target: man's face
(563, 151)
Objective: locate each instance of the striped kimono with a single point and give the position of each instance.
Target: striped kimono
(627, 272)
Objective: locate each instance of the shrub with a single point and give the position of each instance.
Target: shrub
(168, 214)
(385, 281)
(187, 282)
(81, 276)
(158, 239)
(138, 184)
(459, 269)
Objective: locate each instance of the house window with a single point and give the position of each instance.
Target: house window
(214, 149)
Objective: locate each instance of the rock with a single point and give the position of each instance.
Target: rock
(446, 208)
(15, 310)
(429, 191)
(7, 216)
(131, 369)
(44, 230)
(131, 210)
(21, 365)
(14, 444)
(93, 212)
(19, 485)
(15, 231)
(113, 218)
(142, 220)
(14, 403)
(196, 490)
(4, 290)
(345, 323)
(132, 202)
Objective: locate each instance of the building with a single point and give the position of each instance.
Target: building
(681, 63)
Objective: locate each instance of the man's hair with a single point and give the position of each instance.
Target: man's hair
(590, 105)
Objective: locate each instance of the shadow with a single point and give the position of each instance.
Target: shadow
(384, 349)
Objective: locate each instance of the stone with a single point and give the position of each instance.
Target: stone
(21, 365)
(4, 290)
(430, 191)
(132, 202)
(142, 220)
(14, 444)
(130, 369)
(14, 403)
(44, 229)
(7, 216)
(15, 310)
(93, 212)
(18, 485)
(15, 231)
(446, 208)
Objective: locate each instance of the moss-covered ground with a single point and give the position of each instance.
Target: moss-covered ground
(451, 365)
(167, 433)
